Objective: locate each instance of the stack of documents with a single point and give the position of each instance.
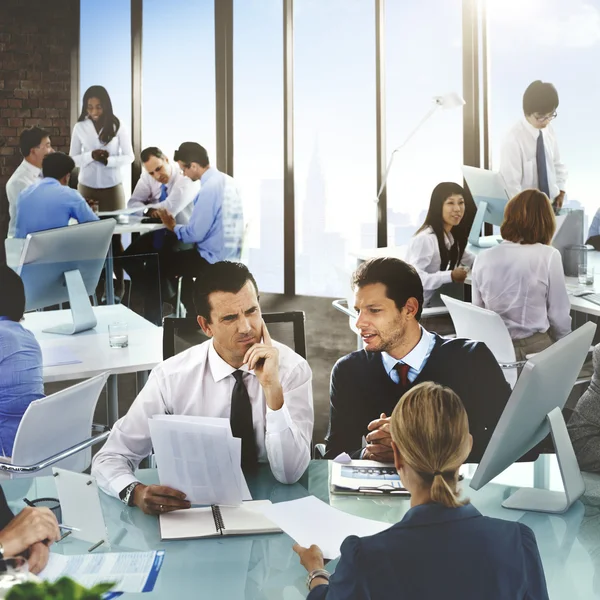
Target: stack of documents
(311, 521)
(366, 477)
(129, 571)
(200, 457)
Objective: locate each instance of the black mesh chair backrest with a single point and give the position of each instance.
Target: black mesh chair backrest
(285, 327)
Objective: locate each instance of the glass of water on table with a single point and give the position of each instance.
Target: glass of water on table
(118, 336)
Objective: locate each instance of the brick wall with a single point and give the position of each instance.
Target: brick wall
(35, 78)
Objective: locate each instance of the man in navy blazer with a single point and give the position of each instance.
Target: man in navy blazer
(399, 354)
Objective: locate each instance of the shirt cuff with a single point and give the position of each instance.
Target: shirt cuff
(118, 484)
(112, 162)
(279, 420)
(448, 277)
(177, 231)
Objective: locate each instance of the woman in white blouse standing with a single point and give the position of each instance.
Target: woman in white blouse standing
(522, 278)
(438, 249)
(100, 148)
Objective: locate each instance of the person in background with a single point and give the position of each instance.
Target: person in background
(443, 547)
(34, 144)
(399, 354)
(216, 226)
(438, 251)
(522, 279)
(21, 380)
(263, 387)
(161, 185)
(101, 148)
(29, 534)
(530, 157)
(584, 424)
(50, 203)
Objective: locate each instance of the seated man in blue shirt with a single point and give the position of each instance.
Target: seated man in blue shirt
(50, 203)
(216, 225)
(20, 360)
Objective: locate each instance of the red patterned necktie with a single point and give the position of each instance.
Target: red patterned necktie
(402, 370)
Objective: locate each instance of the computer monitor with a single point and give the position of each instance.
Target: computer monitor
(64, 265)
(490, 196)
(533, 409)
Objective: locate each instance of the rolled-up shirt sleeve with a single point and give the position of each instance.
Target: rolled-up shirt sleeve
(289, 429)
(129, 441)
(203, 217)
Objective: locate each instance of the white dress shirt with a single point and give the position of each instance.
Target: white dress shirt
(93, 173)
(525, 285)
(181, 191)
(199, 382)
(424, 255)
(518, 163)
(25, 175)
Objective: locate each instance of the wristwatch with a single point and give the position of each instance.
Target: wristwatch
(317, 573)
(126, 494)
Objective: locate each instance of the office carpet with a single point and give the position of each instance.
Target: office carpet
(328, 337)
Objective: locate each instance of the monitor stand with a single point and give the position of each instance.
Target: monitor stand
(548, 501)
(81, 309)
(487, 241)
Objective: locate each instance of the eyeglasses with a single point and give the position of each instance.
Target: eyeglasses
(545, 118)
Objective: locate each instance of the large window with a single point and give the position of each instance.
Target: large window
(335, 139)
(105, 59)
(423, 60)
(556, 41)
(178, 62)
(258, 131)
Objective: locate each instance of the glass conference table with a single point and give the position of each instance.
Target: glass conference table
(265, 566)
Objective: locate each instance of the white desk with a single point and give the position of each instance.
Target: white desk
(92, 349)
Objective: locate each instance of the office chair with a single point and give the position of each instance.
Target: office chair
(181, 334)
(55, 430)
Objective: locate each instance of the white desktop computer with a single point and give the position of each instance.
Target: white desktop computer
(534, 409)
(64, 265)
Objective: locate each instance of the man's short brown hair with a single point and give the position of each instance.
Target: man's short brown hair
(529, 219)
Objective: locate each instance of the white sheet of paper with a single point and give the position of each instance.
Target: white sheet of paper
(182, 447)
(122, 211)
(55, 356)
(131, 571)
(311, 521)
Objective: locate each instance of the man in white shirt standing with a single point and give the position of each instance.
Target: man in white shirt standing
(34, 144)
(530, 156)
(161, 185)
(260, 385)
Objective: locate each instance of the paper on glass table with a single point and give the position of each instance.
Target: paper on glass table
(181, 445)
(55, 356)
(311, 521)
(122, 211)
(130, 571)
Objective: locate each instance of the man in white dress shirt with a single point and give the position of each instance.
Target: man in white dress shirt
(161, 185)
(530, 156)
(34, 144)
(262, 386)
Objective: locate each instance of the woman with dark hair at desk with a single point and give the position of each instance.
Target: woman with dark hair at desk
(443, 547)
(522, 278)
(100, 148)
(21, 380)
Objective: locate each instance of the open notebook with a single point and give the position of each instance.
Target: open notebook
(214, 521)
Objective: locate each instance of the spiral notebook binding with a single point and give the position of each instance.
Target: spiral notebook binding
(218, 518)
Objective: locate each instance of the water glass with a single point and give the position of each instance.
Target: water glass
(586, 274)
(118, 336)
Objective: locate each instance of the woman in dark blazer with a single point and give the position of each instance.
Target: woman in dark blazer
(443, 547)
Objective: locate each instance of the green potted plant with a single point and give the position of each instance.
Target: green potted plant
(63, 589)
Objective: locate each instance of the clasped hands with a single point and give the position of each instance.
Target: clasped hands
(101, 156)
(379, 441)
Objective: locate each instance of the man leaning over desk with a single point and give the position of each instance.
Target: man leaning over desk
(260, 385)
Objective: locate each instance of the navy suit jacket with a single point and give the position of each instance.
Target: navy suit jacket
(439, 552)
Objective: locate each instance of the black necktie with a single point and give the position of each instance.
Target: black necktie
(241, 420)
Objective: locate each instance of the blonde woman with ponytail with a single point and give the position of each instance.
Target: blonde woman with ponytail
(443, 547)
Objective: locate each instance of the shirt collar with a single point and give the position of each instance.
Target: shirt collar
(414, 359)
(535, 133)
(35, 171)
(218, 367)
(207, 174)
(5, 319)
(433, 514)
